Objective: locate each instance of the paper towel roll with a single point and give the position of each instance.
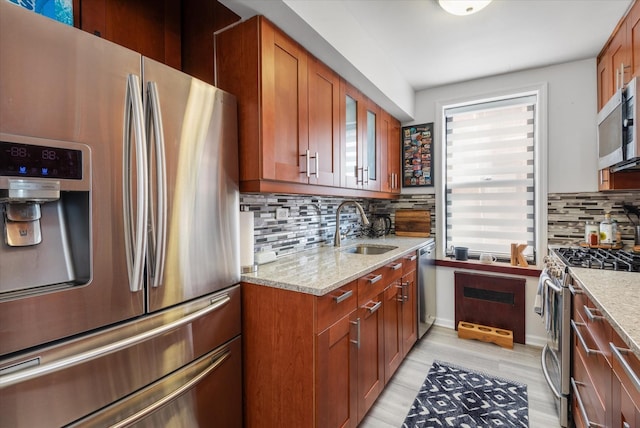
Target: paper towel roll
(246, 239)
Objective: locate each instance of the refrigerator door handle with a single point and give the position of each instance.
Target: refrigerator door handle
(82, 357)
(157, 231)
(135, 236)
(216, 361)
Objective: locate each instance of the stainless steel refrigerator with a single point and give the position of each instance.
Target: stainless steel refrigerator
(119, 260)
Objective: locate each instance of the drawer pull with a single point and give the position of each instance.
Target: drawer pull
(411, 258)
(618, 353)
(374, 279)
(357, 324)
(396, 266)
(574, 326)
(590, 314)
(373, 308)
(583, 411)
(344, 296)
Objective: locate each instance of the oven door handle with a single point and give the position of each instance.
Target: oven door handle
(545, 371)
(110, 348)
(551, 284)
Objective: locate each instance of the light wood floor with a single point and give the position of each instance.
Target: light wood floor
(521, 364)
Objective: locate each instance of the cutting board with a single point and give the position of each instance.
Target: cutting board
(415, 223)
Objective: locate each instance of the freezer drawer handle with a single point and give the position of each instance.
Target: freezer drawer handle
(216, 361)
(92, 354)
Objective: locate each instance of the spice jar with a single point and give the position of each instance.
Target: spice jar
(593, 238)
(591, 226)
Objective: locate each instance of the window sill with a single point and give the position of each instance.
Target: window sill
(498, 267)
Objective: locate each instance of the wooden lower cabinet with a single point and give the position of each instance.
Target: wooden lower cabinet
(625, 386)
(604, 392)
(320, 361)
(336, 375)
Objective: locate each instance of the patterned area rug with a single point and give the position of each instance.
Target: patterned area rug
(453, 396)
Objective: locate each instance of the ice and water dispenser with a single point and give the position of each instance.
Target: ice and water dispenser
(45, 194)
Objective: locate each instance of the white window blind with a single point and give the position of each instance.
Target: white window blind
(490, 176)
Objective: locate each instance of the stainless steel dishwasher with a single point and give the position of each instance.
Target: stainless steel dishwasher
(426, 287)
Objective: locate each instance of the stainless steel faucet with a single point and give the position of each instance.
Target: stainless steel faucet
(365, 220)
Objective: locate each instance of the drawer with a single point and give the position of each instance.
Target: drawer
(626, 366)
(409, 263)
(593, 359)
(372, 284)
(393, 270)
(336, 304)
(585, 398)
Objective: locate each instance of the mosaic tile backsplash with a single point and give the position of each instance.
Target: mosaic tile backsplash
(311, 220)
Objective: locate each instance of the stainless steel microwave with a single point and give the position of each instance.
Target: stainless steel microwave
(618, 144)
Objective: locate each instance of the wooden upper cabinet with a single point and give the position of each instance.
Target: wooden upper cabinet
(150, 27)
(389, 153)
(323, 159)
(372, 147)
(618, 63)
(288, 108)
(619, 60)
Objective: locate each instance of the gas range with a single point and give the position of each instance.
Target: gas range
(599, 258)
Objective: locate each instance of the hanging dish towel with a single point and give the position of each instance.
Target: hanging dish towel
(538, 305)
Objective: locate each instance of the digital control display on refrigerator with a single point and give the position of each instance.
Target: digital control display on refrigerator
(26, 160)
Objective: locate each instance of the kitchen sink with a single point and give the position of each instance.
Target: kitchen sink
(368, 249)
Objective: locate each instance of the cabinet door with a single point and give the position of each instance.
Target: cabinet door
(371, 147)
(633, 39)
(323, 158)
(351, 108)
(157, 36)
(392, 329)
(284, 107)
(370, 354)
(389, 153)
(409, 312)
(335, 376)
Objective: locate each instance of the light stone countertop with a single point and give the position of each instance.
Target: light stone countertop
(322, 270)
(617, 296)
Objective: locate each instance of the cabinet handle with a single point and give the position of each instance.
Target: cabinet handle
(574, 326)
(395, 266)
(583, 411)
(373, 308)
(365, 173)
(590, 314)
(411, 258)
(374, 279)
(618, 353)
(358, 180)
(626, 425)
(307, 171)
(617, 79)
(317, 158)
(405, 292)
(344, 296)
(357, 324)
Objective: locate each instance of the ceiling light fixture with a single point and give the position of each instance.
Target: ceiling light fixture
(463, 7)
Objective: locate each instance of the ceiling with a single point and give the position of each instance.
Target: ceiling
(390, 49)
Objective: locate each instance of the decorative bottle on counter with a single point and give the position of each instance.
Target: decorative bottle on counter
(607, 234)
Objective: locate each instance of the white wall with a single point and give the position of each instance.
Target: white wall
(571, 147)
(535, 333)
(572, 111)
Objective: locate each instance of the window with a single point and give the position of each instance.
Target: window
(490, 175)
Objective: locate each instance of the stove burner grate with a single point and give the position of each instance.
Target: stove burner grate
(598, 258)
